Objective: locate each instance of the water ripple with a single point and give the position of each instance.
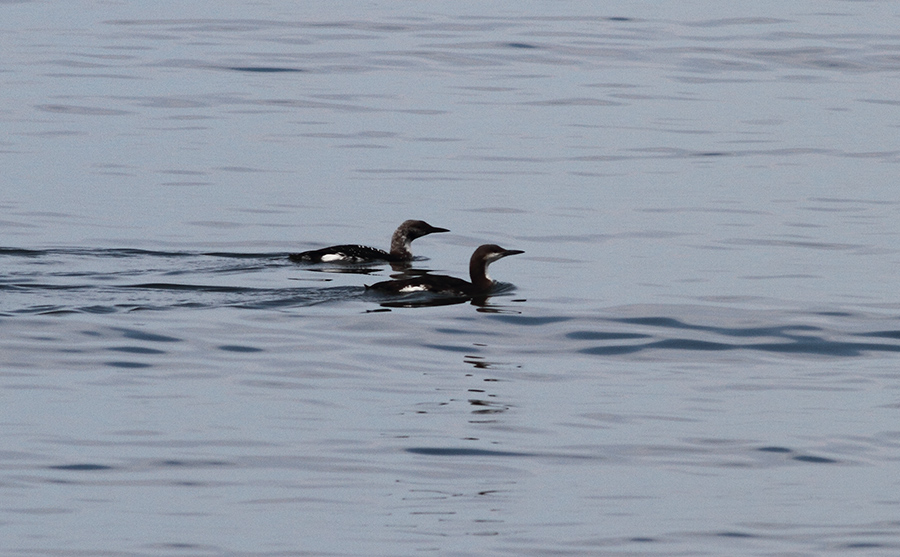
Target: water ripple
(84, 280)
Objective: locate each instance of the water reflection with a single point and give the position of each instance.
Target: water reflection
(482, 304)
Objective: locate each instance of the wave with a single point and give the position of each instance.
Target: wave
(673, 331)
(109, 280)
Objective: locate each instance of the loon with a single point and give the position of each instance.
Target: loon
(440, 284)
(400, 252)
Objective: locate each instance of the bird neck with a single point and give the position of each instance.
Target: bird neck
(400, 245)
(478, 275)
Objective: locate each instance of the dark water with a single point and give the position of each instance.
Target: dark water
(697, 354)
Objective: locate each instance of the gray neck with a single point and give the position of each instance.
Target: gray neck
(400, 245)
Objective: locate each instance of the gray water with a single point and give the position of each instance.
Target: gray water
(697, 354)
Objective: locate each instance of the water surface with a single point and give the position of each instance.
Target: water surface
(696, 354)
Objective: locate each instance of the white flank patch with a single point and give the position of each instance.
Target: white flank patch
(333, 257)
(413, 288)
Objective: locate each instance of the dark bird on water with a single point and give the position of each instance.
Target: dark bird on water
(481, 284)
(350, 253)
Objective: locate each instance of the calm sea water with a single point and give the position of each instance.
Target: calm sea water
(700, 354)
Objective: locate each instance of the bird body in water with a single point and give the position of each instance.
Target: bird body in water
(480, 283)
(351, 253)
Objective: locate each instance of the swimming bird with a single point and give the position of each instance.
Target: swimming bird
(481, 284)
(350, 253)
